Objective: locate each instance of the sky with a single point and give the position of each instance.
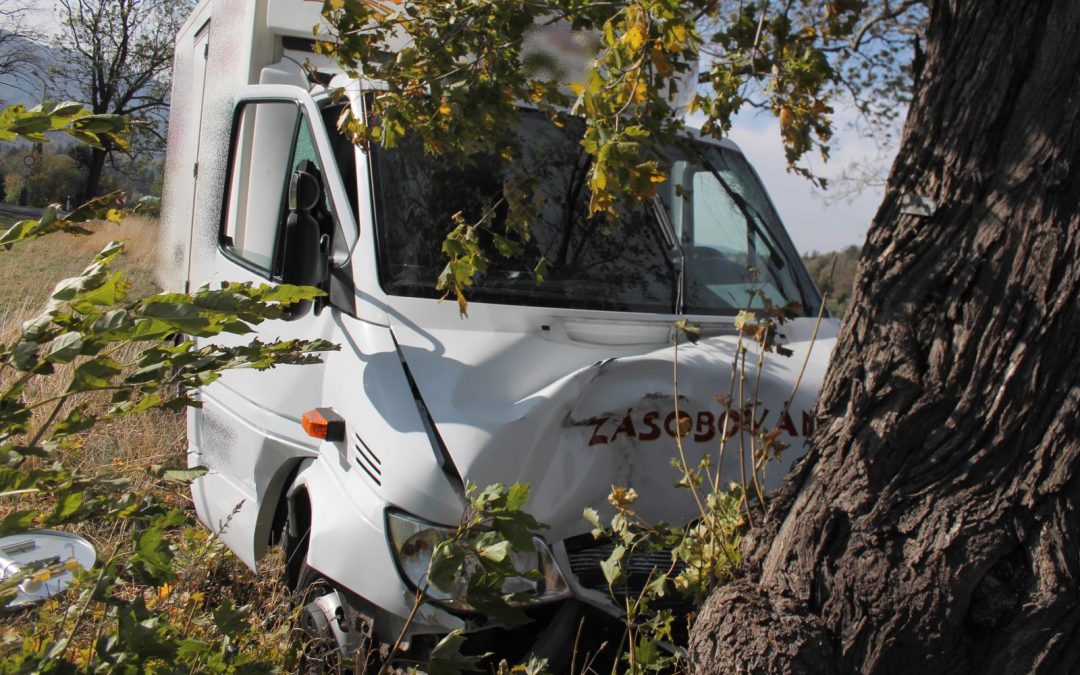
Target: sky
(814, 223)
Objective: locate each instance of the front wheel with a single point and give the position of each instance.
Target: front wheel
(335, 637)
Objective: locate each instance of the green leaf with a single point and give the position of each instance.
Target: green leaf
(541, 270)
(447, 659)
(658, 586)
(692, 331)
(110, 292)
(231, 620)
(68, 504)
(517, 496)
(16, 522)
(25, 355)
(515, 528)
(77, 420)
(484, 593)
(646, 652)
(64, 348)
(611, 568)
(112, 324)
(287, 294)
(152, 561)
(97, 373)
(496, 552)
(446, 562)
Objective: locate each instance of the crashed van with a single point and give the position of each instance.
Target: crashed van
(357, 465)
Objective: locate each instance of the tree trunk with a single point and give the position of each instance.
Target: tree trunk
(94, 170)
(935, 525)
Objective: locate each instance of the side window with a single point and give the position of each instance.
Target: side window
(718, 223)
(305, 150)
(260, 169)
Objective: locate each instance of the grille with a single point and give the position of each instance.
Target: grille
(639, 567)
(368, 461)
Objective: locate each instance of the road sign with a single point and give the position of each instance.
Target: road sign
(29, 160)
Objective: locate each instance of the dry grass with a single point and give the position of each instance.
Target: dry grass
(126, 447)
(30, 270)
(28, 274)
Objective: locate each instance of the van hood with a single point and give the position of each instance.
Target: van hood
(576, 406)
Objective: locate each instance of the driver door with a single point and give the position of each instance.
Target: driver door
(279, 222)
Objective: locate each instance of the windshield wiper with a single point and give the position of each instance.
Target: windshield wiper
(660, 211)
(753, 218)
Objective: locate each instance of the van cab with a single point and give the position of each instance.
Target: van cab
(566, 385)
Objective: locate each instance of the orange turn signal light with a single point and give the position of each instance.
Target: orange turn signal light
(323, 423)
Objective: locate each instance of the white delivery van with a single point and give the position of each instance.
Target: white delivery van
(566, 385)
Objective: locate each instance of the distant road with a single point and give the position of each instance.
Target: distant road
(13, 212)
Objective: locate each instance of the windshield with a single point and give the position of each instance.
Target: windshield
(709, 243)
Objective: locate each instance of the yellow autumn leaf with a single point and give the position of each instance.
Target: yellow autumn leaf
(661, 63)
(787, 118)
(744, 319)
(622, 498)
(635, 37)
(42, 575)
(678, 33)
(463, 304)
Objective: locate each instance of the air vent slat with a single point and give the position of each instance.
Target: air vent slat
(367, 460)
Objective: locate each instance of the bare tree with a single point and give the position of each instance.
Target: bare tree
(118, 55)
(18, 65)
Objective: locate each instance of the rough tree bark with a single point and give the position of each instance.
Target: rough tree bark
(935, 525)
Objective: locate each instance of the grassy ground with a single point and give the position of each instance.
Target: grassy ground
(28, 274)
(31, 269)
(126, 448)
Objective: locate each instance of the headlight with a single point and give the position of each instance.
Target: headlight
(413, 542)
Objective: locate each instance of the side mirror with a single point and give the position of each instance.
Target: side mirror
(306, 249)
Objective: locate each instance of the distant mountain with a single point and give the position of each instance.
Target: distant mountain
(28, 88)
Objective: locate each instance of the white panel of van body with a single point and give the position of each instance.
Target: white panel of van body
(249, 425)
(295, 18)
(223, 45)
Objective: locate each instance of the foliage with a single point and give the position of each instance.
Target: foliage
(478, 553)
(454, 74)
(54, 178)
(842, 280)
(14, 182)
(69, 118)
(870, 46)
(117, 58)
(705, 552)
(109, 355)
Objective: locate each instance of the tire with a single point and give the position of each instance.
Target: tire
(326, 627)
(320, 651)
